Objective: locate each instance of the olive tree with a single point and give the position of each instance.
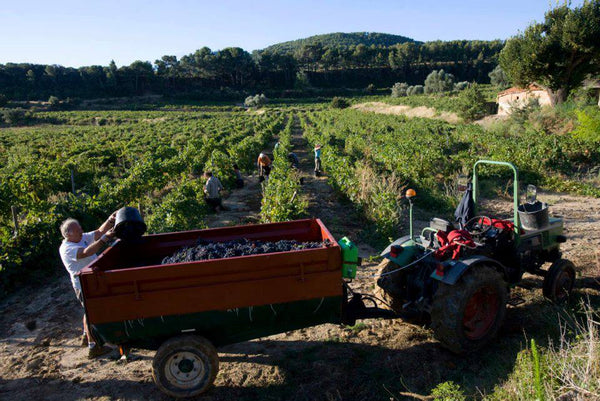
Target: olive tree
(415, 90)
(255, 101)
(439, 81)
(399, 89)
(499, 78)
(558, 53)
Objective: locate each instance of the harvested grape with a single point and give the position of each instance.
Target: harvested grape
(205, 250)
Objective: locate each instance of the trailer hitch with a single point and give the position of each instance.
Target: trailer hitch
(356, 309)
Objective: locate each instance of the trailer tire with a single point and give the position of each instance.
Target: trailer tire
(559, 281)
(467, 315)
(185, 366)
(385, 298)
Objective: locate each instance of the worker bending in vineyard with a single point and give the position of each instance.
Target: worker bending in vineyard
(212, 190)
(293, 159)
(264, 167)
(77, 250)
(239, 181)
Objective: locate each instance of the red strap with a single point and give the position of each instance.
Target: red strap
(498, 223)
(452, 243)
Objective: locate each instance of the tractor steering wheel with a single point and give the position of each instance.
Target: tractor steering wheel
(477, 226)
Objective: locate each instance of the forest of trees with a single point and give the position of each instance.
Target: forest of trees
(330, 63)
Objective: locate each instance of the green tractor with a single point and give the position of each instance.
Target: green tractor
(460, 277)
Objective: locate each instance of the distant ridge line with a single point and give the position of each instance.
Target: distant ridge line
(341, 39)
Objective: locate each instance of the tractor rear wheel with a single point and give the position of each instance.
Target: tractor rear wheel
(559, 281)
(467, 315)
(185, 366)
(384, 287)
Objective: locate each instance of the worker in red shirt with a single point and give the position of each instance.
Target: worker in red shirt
(264, 167)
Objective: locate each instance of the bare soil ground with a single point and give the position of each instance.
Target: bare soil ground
(40, 357)
(421, 111)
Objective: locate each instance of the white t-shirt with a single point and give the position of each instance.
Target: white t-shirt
(68, 254)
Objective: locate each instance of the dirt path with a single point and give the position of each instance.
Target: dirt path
(243, 205)
(339, 217)
(421, 111)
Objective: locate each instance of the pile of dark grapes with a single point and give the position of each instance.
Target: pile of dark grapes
(205, 250)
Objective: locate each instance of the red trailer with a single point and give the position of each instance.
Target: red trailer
(186, 309)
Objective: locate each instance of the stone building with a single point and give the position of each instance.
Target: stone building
(519, 97)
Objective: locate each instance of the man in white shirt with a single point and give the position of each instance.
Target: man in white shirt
(77, 250)
(212, 190)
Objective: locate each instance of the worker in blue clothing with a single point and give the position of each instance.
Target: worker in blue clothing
(317, 160)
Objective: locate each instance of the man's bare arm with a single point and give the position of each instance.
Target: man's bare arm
(107, 225)
(95, 246)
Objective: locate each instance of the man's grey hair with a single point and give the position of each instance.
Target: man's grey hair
(64, 227)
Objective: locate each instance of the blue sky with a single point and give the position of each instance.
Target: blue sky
(76, 33)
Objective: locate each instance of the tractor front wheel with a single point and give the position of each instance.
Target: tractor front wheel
(559, 281)
(467, 315)
(185, 366)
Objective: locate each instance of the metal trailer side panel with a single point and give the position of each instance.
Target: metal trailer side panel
(223, 327)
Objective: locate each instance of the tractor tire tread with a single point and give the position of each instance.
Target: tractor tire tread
(449, 303)
(554, 269)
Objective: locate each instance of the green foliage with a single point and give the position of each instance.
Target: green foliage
(588, 125)
(439, 81)
(557, 53)
(282, 200)
(567, 369)
(460, 86)
(15, 116)
(521, 382)
(221, 166)
(520, 115)
(53, 101)
(372, 157)
(471, 103)
(499, 78)
(255, 101)
(340, 40)
(416, 98)
(352, 60)
(339, 103)
(376, 193)
(182, 209)
(145, 158)
(33, 254)
(415, 90)
(448, 391)
(357, 328)
(537, 375)
(399, 89)
(302, 81)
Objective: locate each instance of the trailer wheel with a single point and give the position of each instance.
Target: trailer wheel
(185, 366)
(559, 281)
(384, 288)
(467, 315)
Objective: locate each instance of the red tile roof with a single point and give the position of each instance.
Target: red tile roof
(515, 89)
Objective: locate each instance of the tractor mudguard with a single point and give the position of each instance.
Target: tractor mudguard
(454, 269)
(407, 247)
